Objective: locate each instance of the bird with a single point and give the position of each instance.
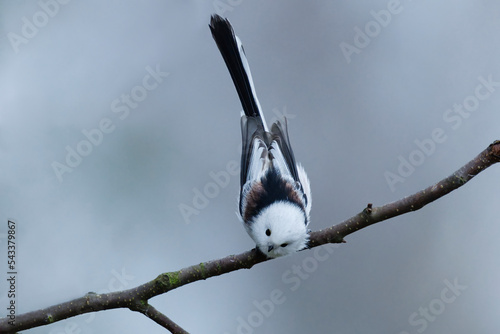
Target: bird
(275, 193)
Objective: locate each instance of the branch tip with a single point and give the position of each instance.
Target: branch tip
(494, 150)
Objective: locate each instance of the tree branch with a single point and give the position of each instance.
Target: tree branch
(136, 299)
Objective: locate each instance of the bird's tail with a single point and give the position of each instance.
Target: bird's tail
(232, 51)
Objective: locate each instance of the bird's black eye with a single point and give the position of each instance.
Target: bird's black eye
(284, 244)
(268, 232)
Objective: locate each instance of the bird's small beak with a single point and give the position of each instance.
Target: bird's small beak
(270, 248)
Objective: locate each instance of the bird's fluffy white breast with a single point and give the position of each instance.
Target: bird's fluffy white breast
(286, 222)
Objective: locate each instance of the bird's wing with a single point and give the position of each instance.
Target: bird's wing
(254, 155)
(281, 152)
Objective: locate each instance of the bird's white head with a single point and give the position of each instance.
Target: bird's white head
(280, 229)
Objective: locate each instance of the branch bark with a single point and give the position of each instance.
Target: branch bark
(136, 299)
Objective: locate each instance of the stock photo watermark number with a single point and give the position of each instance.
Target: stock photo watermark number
(11, 271)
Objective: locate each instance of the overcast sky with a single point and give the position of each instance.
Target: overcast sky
(120, 143)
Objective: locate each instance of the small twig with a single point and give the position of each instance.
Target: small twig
(162, 320)
(136, 298)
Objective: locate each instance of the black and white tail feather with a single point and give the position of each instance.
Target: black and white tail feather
(275, 196)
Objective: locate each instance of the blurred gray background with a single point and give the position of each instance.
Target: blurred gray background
(114, 221)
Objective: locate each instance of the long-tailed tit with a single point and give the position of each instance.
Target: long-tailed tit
(275, 195)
